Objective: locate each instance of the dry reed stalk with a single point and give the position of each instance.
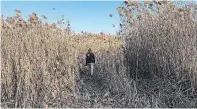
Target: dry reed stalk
(164, 48)
(39, 66)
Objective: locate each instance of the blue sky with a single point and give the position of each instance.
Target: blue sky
(91, 16)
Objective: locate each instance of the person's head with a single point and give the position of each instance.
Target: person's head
(89, 50)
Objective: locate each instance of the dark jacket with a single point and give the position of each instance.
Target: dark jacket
(90, 58)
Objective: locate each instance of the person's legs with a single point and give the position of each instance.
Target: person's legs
(92, 68)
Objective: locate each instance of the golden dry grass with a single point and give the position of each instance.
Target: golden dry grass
(44, 67)
(161, 52)
(39, 65)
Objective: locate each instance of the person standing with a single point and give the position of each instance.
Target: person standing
(90, 60)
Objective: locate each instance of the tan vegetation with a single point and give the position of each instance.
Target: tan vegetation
(161, 46)
(39, 66)
(154, 65)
